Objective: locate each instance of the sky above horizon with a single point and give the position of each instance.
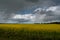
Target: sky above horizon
(29, 11)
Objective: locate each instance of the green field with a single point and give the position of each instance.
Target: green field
(29, 32)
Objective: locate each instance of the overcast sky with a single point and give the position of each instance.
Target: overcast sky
(23, 11)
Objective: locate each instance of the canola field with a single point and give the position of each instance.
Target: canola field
(48, 27)
(29, 31)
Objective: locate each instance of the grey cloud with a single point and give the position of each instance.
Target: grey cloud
(19, 4)
(9, 7)
(48, 15)
(57, 2)
(32, 0)
(43, 16)
(53, 14)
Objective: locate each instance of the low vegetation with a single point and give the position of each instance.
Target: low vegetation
(24, 34)
(29, 32)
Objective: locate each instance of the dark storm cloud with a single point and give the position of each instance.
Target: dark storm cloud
(11, 4)
(32, 0)
(8, 8)
(15, 4)
(19, 4)
(57, 2)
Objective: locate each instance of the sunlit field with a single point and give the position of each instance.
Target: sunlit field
(53, 27)
(29, 31)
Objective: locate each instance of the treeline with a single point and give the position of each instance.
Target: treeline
(49, 23)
